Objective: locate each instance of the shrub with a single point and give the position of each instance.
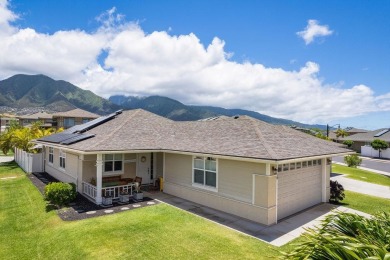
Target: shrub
(352, 160)
(60, 193)
(346, 236)
(348, 143)
(336, 192)
(379, 145)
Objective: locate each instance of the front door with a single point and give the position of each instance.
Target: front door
(144, 167)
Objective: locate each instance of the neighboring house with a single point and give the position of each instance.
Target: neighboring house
(5, 120)
(349, 130)
(362, 142)
(72, 117)
(239, 165)
(45, 118)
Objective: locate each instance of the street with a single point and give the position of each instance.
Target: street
(371, 163)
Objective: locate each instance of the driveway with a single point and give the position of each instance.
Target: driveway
(279, 234)
(362, 187)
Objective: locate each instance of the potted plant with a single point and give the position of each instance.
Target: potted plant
(107, 200)
(124, 196)
(138, 194)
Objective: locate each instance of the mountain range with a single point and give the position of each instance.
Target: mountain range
(32, 91)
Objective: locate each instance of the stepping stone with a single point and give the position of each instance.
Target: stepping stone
(107, 211)
(136, 205)
(151, 203)
(125, 208)
(91, 212)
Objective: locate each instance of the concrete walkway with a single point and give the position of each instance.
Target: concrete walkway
(363, 187)
(6, 158)
(279, 234)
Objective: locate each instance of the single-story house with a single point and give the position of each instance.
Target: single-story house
(5, 120)
(362, 142)
(349, 130)
(72, 117)
(239, 165)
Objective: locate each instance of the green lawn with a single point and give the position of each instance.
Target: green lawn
(28, 231)
(361, 175)
(10, 153)
(365, 203)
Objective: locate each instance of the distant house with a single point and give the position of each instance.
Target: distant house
(5, 120)
(239, 165)
(350, 131)
(72, 117)
(362, 141)
(27, 120)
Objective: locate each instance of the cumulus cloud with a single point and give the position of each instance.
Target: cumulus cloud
(313, 30)
(180, 67)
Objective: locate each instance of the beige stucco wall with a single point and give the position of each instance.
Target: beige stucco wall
(235, 187)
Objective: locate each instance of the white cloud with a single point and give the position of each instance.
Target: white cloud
(313, 30)
(178, 66)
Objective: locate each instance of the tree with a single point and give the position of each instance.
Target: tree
(348, 143)
(341, 132)
(379, 145)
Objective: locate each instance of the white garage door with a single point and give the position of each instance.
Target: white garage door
(298, 190)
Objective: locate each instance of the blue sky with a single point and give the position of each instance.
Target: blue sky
(245, 54)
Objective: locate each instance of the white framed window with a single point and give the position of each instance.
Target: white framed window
(51, 155)
(86, 120)
(113, 163)
(62, 159)
(205, 172)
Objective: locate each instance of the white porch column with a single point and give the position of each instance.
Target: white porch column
(99, 175)
(325, 180)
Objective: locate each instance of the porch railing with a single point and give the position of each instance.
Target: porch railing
(112, 191)
(89, 190)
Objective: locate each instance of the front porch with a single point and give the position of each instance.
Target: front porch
(108, 178)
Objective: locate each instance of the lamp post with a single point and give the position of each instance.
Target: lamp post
(327, 129)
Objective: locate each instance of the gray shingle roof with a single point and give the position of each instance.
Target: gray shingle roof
(369, 136)
(242, 137)
(39, 115)
(76, 113)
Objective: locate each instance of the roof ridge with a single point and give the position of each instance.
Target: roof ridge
(116, 130)
(262, 139)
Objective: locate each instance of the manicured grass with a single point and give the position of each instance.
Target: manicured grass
(366, 203)
(10, 153)
(29, 231)
(361, 175)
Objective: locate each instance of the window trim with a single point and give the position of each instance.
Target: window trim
(51, 152)
(62, 155)
(113, 173)
(204, 186)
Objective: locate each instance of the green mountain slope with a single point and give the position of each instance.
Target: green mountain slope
(21, 91)
(175, 110)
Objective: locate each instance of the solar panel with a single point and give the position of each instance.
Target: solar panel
(57, 138)
(91, 124)
(77, 138)
(382, 132)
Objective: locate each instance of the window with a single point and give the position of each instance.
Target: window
(205, 171)
(85, 120)
(113, 163)
(68, 122)
(51, 155)
(315, 163)
(298, 165)
(285, 167)
(62, 159)
(304, 164)
(319, 162)
(309, 163)
(292, 166)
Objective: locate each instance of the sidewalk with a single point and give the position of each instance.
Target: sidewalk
(363, 187)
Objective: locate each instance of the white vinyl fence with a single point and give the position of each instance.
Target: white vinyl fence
(29, 162)
(370, 152)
